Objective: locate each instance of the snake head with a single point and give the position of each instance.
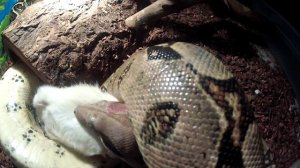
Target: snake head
(109, 122)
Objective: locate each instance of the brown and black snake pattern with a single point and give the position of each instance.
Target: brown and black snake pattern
(218, 89)
(186, 109)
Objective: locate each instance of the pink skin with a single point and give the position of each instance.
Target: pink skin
(90, 116)
(116, 108)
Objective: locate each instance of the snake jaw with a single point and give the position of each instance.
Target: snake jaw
(109, 122)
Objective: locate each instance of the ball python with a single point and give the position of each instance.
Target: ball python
(185, 108)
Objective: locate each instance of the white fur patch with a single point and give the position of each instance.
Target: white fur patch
(55, 110)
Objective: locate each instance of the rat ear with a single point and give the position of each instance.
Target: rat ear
(109, 121)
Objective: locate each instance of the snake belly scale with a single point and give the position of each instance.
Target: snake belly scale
(186, 109)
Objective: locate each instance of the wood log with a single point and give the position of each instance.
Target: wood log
(69, 41)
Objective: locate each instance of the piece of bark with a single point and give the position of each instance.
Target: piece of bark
(67, 41)
(157, 10)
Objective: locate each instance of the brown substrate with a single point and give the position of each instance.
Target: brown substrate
(5, 161)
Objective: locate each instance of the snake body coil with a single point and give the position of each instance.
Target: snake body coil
(186, 109)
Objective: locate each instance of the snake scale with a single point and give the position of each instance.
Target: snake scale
(186, 109)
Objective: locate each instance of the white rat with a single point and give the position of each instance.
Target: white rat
(55, 111)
